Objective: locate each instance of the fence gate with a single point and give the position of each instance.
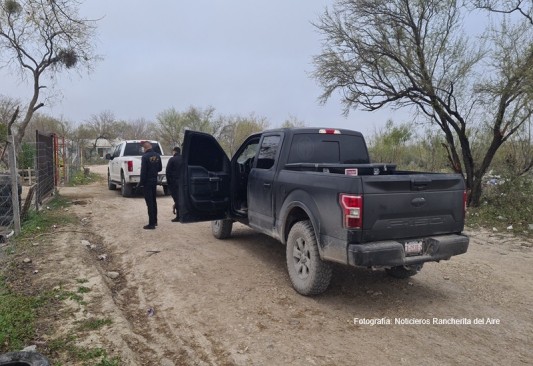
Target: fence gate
(44, 167)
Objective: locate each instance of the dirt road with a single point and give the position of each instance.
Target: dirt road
(231, 303)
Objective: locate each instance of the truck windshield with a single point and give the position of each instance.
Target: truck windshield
(328, 149)
(134, 149)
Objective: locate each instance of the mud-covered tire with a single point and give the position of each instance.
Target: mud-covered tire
(221, 229)
(23, 359)
(403, 272)
(308, 273)
(125, 188)
(110, 185)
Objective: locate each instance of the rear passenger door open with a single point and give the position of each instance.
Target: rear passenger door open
(204, 188)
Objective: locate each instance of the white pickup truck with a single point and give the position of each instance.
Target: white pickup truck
(124, 166)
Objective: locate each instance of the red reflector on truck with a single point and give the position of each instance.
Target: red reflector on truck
(352, 211)
(329, 131)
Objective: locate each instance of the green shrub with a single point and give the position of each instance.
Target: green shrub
(27, 156)
(508, 203)
(17, 319)
(79, 177)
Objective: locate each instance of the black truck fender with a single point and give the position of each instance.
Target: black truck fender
(298, 206)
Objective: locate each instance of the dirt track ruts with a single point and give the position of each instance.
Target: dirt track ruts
(230, 302)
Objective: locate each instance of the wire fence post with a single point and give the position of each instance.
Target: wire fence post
(14, 184)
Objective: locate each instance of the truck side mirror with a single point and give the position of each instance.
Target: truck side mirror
(108, 157)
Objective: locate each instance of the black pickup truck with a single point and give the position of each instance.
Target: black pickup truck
(316, 191)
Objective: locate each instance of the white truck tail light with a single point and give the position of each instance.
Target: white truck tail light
(329, 131)
(352, 211)
(130, 165)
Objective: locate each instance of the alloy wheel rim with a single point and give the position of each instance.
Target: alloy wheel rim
(302, 258)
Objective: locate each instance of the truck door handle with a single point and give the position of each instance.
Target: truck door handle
(267, 185)
(420, 184)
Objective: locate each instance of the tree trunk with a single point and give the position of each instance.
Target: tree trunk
(32, 107)
(474, 198)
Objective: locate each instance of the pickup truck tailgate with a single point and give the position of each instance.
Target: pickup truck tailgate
(403, 206)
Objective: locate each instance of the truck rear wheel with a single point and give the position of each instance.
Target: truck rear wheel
(404, 271)
(125, 188)
(308, 273)
(221, 229)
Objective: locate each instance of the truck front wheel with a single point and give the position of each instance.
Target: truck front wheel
(110, 185)
(308, 273)
(404, 271)
(221, 229)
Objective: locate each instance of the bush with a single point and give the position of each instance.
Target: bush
(27, 156)
(81, 177)
(506, 202)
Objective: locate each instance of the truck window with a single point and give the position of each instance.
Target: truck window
(116, 152)
(332, 149)
(268, 151)
(135, 149)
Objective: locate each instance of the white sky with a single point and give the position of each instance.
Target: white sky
(238, 56)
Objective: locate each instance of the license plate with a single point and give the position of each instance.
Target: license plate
(413, 247)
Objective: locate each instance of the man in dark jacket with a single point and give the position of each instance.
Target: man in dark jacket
(150, 167)
(173, 174)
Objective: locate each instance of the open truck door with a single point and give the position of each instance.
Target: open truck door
(204, 183)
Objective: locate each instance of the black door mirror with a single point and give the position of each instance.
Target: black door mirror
(108, 157)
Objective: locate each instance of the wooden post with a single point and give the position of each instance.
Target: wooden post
(14, 184)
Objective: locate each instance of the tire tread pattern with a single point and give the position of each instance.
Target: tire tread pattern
(321, 277)
(223, 230)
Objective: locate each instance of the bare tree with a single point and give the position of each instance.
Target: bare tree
(8, 106)
(523, 7)
(102, 126)
(404, 53)
(293, 122)
(236, 129)
(48, 125)
(136, 129)
(170, 127)
(41, 38)
(171, 124)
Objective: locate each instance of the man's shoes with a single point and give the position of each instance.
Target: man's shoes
(149, 227)
(176, 219)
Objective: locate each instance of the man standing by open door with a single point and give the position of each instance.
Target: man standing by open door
(173, 173)
(150, 167)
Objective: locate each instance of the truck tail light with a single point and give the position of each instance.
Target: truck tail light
(130, 165)
(329, 131)
(352, 211)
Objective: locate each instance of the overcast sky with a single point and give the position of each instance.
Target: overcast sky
(238, 56)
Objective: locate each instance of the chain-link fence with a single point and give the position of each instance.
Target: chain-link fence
(32, 184)
(10, 193)
(6, 203)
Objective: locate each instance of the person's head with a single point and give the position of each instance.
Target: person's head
(146, 145)
(176, 150)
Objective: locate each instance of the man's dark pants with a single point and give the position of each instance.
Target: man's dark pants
(149, 196)
(174, 193)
